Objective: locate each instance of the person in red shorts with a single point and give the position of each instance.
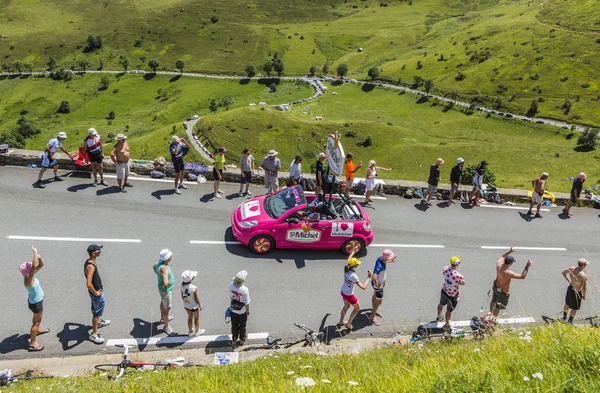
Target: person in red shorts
(350, 280)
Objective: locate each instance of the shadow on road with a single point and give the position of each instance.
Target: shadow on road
(79, 187)
(422, 207)
(207, 197)
(144, 329)
(219, 345)
(73, 334)
(108, 190)
(332, 332)
(442, 204)
(235, 195)
(15, 342)
(525, 216)
(158, 194)
(564, 216)
(466, 205)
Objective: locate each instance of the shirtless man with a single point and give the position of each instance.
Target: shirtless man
(577, 289)
(501, 287)
(537, 196)
(120, 155)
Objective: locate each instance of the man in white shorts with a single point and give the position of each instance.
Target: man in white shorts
(120, 155)
(537, 196)
(48, 159)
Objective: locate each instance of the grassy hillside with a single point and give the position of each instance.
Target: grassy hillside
(514, 50)
(146, 107)
(558, 359)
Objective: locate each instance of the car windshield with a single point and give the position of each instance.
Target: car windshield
(286, 199)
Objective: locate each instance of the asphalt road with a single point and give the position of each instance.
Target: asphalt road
(286, 286)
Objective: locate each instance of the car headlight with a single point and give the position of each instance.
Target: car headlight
(248, 224)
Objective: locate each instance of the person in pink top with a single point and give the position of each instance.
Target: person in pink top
(449, 296)
(501, 287)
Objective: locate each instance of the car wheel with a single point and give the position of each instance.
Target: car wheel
(350, 244)
(262, 244)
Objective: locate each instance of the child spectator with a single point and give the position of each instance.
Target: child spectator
(191, 303)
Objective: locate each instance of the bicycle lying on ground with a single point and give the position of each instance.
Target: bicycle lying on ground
(6, 376)
(120, 367)
(311, 339)
(480, 327)
(592, 320)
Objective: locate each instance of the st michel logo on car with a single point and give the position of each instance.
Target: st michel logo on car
(342, 229)
(303, 235)
(250, 209)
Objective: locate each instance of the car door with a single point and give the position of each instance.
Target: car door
(301, 233)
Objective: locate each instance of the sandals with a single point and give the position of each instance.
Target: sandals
(375, 322)
(43, 332)
(35, 349)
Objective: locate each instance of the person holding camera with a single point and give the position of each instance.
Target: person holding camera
(178, 148)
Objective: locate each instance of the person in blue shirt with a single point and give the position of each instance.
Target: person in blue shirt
(178, 148)
(575, 193)
(35, 298)
(378, 282)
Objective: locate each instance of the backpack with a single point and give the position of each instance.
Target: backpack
(360, 188)
(4, 148)
(157, 174)
(409, 193)
(446, 195)
(192, 177)
(308, 185)
(418, 193)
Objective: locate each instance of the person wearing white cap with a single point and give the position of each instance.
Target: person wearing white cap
(166, 282)
(49, 160)
(455, 178)
(271, 165)
(433, 181)
(575, 193)
(537, 196)
(191, 302)
(240, 308)
(378, 282)
(178, 148)
(370, 178)
(120, 155)
(92, 145)
(577, 290)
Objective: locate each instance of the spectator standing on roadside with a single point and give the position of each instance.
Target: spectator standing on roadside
(501, 287)
(350, 171)
(575, 193)
(218, 168)
(120, 155)
(449, 295)
(92, 145)
(166, 282)
(191, 302)
(35, 298)
(370, 178)
(577, 289)
(455, 178)
(350, 280)
(240, 308)
(296, 170)
(49, 160)
(537, 196)
(378, 282)
(271, 165)
(96, 291)
(320, 176)
(477, 183)
(433, 181)
(178, 148)
(246, 168)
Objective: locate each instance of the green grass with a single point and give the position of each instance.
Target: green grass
(567, 359)
(554, 38)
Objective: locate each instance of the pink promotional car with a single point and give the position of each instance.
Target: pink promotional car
(290, 219)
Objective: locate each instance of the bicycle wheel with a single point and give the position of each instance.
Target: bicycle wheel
(107, 367)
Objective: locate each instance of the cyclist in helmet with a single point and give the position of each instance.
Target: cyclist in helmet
(449, 295)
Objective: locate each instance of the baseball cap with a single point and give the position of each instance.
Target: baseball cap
(246, 150)
(164, 255)
(174, 138)
(349, 155)
(240, 278)
(388, 255)
(25, 268)
(322, 155)
(509, 259)
(298, 158)
(222, 149)
(93, 248)
(353, 262)
(62, 135)
(439, 161)
(92, 131)
(188, 275)
(460, 160)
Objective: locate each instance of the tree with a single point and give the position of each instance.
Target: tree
(313, 70)
(51, 63)
(64, 107)
(226, 102)
(428, 84)
(93, 43)
(325, 69)
(567, 105)
(267, 68)
(104, 82)
(28, 66)
(250, 70)
(26, 128)
(533, 109)
(213, 106)
(419, 65)
(180, 65)
(6, 68)
(588, 140)
(154, 64)
(278, 66)
(342, 70)
(417, 81)
(125, 63)
(374, 73)
(18, 65)
(83, 64)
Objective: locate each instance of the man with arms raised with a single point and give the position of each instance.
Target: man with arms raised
(576, 292)
(501, 287)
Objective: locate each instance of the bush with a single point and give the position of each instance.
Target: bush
(214, 19)
(93, 43)
(111, 115)
(469, 172)
(588, 140)
(64, 107)
(273, 87)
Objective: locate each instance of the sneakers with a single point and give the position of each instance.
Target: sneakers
(39, 184)
(128, 184)
(241, 194)
(176, 191)
(170, 332)
(217, 195)
(123, 190)
(221, 191)
(95, 183)
(104, 183)
(183, 186)
(198, 333)
(439, 319)
(529, 212)
(104, 323)
(56, 178)
(248, 192)
(538, 215)
(170, 319)
(96, 339)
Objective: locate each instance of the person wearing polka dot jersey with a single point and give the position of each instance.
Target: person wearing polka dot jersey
(449, 294)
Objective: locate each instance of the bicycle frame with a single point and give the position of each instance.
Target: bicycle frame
(126, 363)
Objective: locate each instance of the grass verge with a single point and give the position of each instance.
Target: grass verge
(564, 359)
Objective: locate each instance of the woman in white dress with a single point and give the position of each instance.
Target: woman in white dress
(370, 178)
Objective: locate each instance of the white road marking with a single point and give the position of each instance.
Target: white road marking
(157, 341)
(73, 239)
(501, 321)
(408, 245)
(212, 242)
(512, 207)
(150, 179)
(353, 196)
(524, 248)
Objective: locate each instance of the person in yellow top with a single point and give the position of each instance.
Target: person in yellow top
(350, 170)
(218, 168)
